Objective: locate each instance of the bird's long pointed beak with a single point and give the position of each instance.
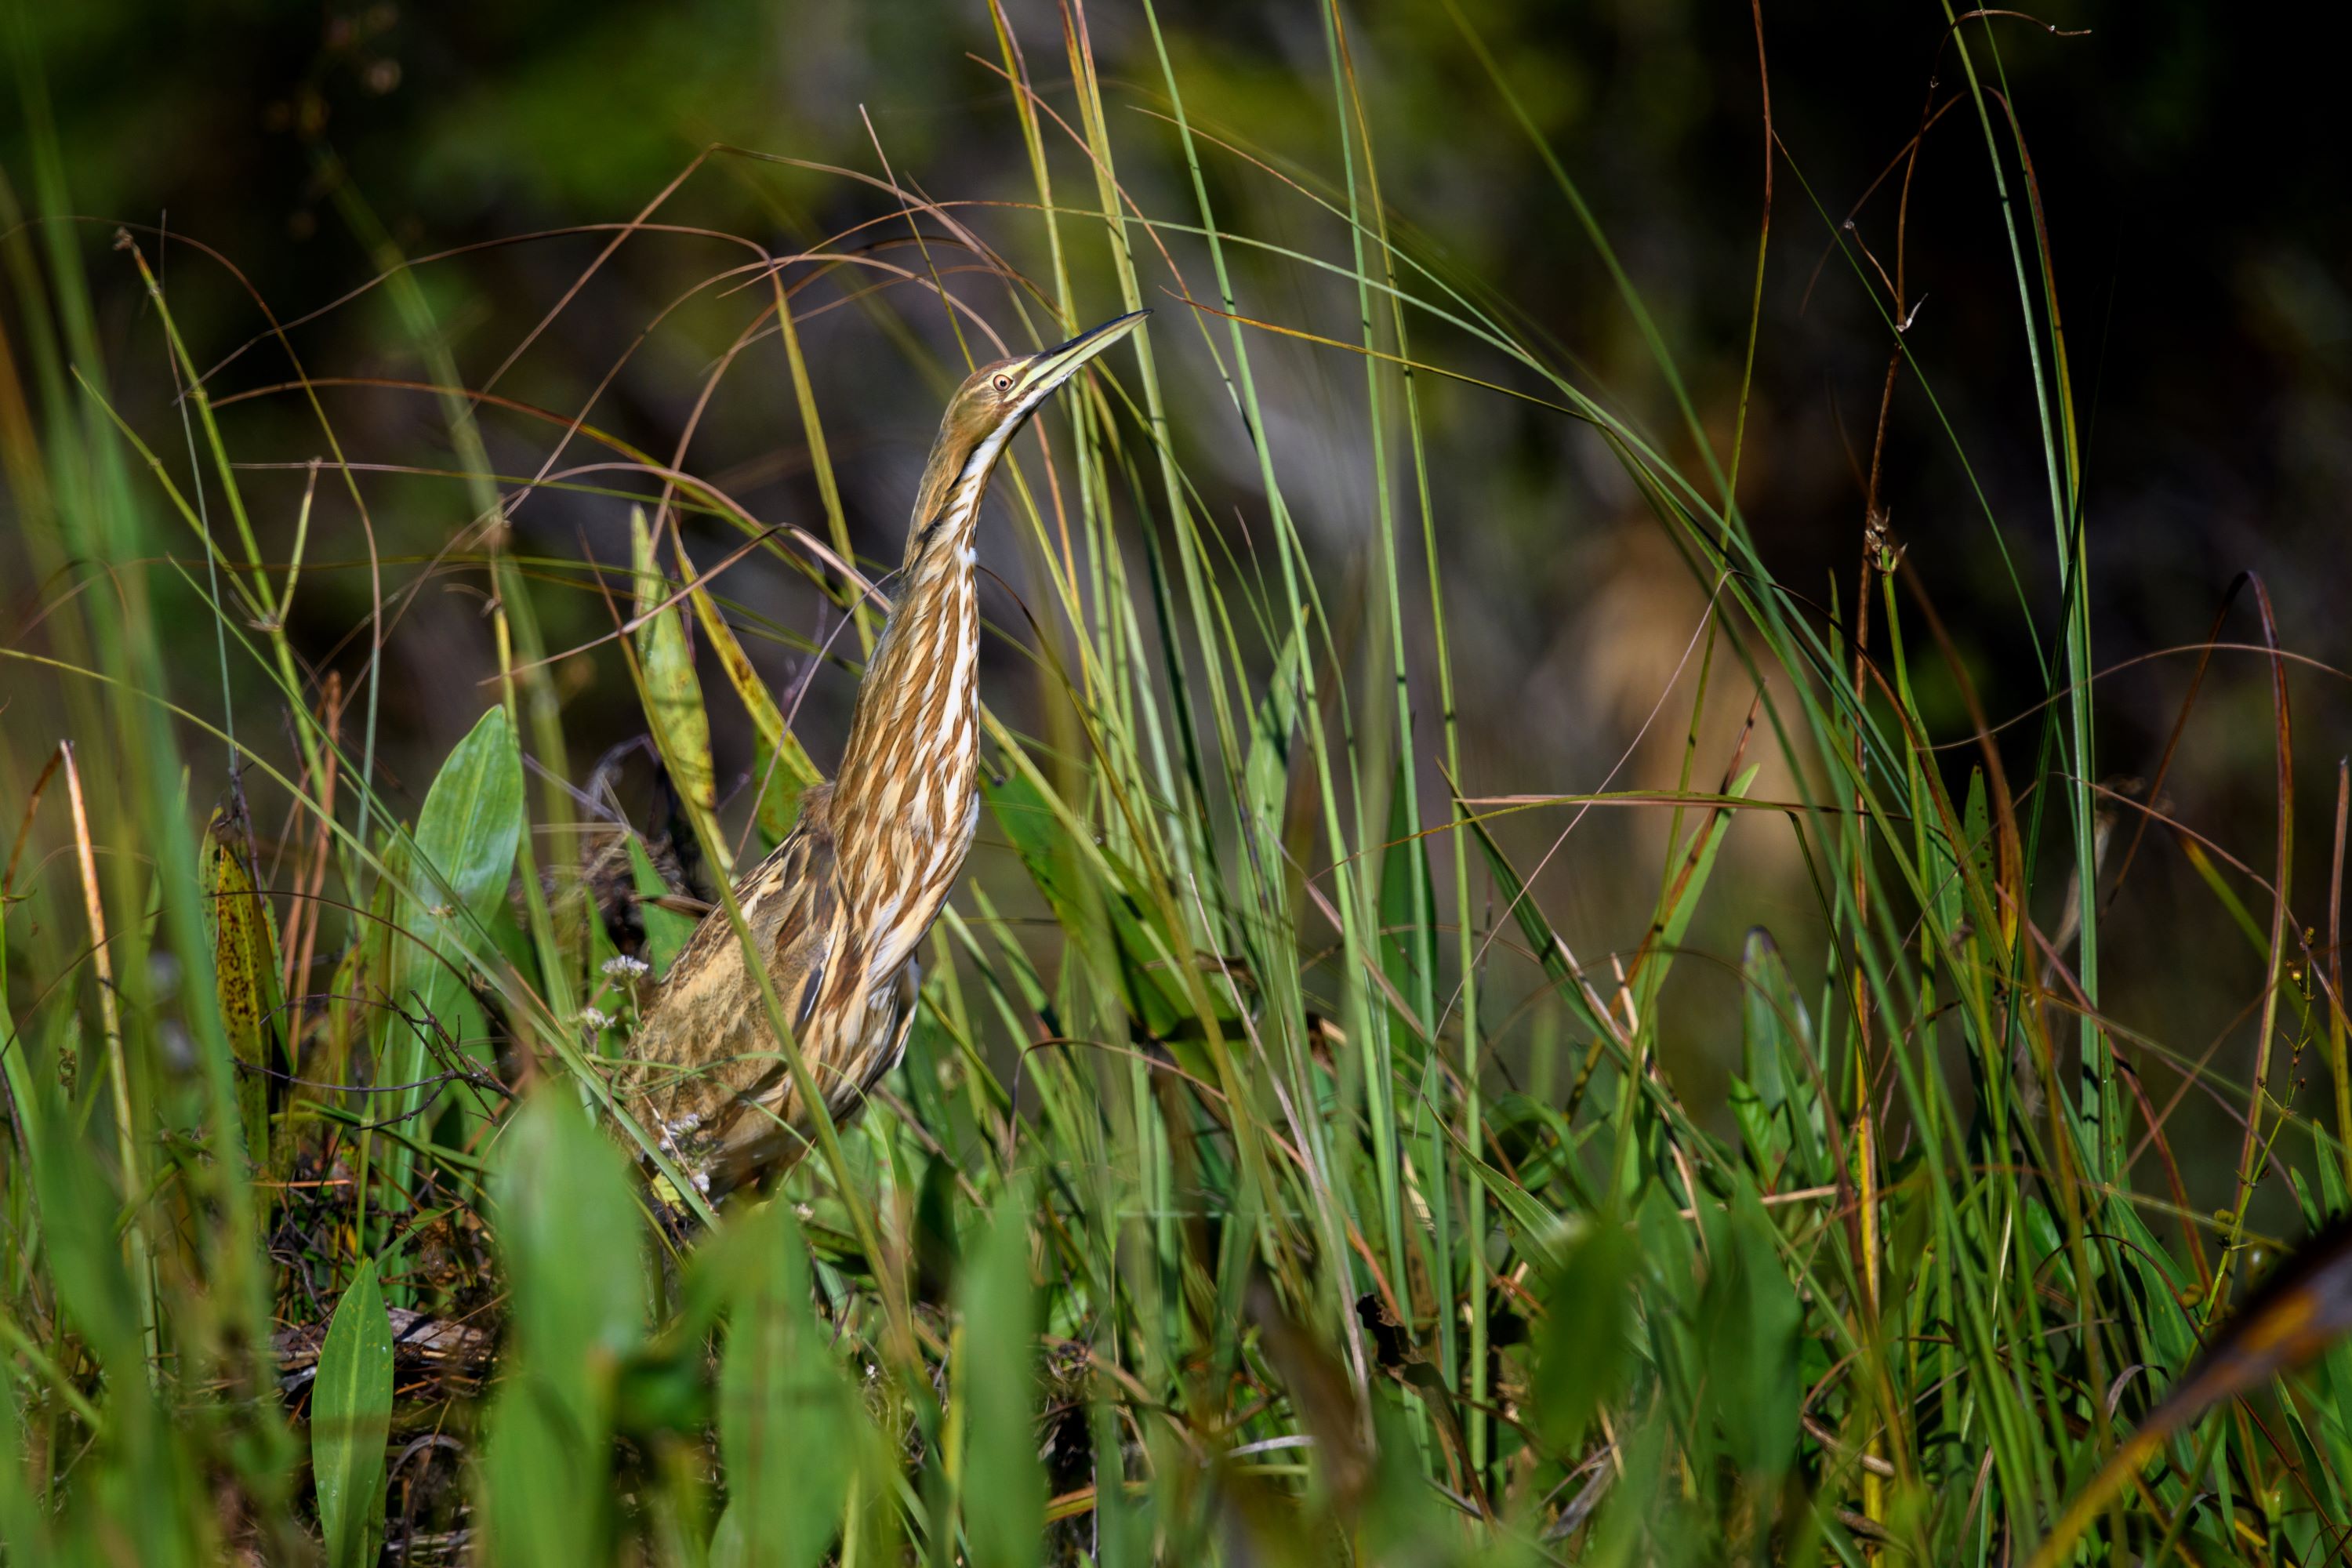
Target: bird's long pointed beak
(1050, 369)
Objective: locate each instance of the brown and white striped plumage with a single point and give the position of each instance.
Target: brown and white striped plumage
(836, 912)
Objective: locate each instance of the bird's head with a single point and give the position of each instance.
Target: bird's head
(985, 414)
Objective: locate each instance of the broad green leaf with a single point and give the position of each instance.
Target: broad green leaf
(2048, 1238)
(1638, 1519)
(465, 841)
(1539, 1227)
(1003, 1484)
(1122, 1529)
(465, 845)
(666, 929)
(2169, 1336)
(1764, 1025)
(1983, 857)
(1036, 835)
(790, 1428)
(351, 1414)
(1976, 821)
(1774, 1031)
(1588, 1309)
(1669, 1252)
(567, 1229)
(471, 823)
(1748, 1316)
(1947, 888)
(779, 802)
(680, 725)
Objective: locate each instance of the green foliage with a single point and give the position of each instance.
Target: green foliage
(245, 971)
(666, 929)
(351, 1412)
(576, 1267)
(466, 837)
(1268, 1179)
(462, 856)
(779, 763)
(790, 1430)
(674, 708)
(1748, 1322)
(1588, 1312)
(1003, 1487)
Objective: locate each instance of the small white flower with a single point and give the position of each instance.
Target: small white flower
(616, 968)
(595, 1020)
(805, 1213)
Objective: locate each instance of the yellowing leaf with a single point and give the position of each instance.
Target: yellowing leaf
(244, 974)
(796, 767)
(674, 710)
(781, 768)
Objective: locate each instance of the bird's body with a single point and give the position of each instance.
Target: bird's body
(836, 912)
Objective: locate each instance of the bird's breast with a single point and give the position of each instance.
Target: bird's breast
(906, 866)
(907, 799)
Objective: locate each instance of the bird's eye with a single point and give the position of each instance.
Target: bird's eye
(1002, 382)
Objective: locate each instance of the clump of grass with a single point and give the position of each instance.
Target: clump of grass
(1205, 1219)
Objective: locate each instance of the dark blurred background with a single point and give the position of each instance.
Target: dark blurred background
(2183, 159)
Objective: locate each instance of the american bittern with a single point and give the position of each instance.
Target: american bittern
(835, 912)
